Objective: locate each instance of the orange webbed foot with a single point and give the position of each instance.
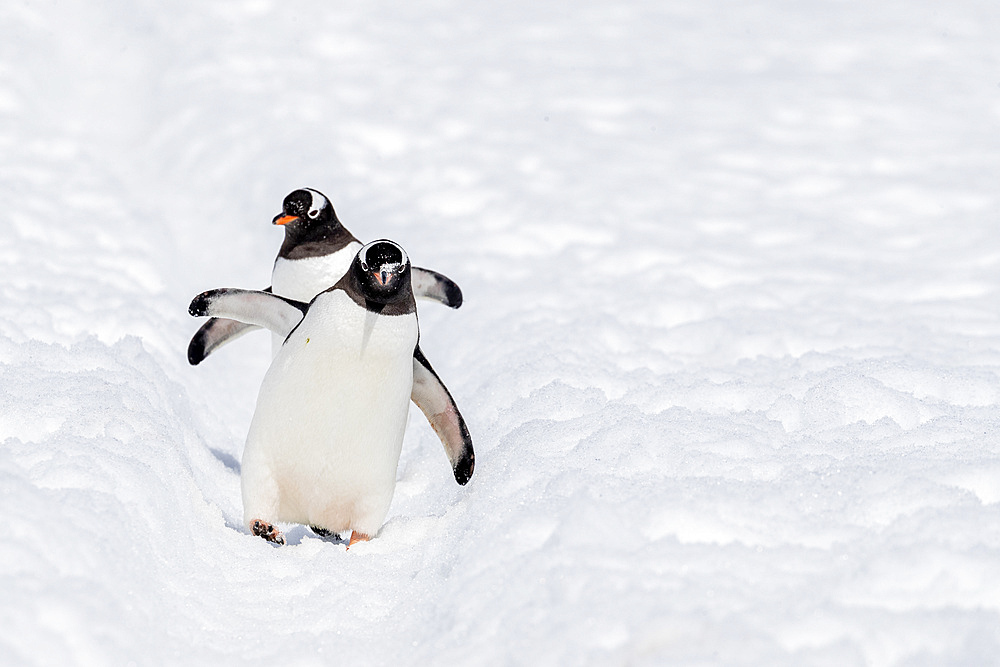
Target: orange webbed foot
(357, 537)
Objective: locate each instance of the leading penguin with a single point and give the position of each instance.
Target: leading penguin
(316, 253)
(326, 433)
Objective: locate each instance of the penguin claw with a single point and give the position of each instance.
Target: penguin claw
(323, 532)
(267, 531)
(357, 537)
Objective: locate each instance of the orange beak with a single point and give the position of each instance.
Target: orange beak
(381, 277)
(285, 219)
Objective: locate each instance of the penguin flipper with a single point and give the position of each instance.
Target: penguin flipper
(262, 309)
(434, 400)
(212, 335)
(434, 286)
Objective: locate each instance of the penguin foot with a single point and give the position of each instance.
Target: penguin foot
(267, 531)
(322, 532)
(357, 537)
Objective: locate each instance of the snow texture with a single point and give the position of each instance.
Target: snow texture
(730, 350)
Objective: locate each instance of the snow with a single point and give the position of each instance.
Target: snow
(730, 349)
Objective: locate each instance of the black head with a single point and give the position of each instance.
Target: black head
(382, 272)
(306, 208)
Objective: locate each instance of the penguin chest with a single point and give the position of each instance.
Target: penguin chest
(302, 279)
(331, 413)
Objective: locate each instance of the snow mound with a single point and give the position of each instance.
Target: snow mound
(730, 351)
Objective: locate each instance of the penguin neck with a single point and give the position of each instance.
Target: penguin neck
(402, 303)
(314, 240)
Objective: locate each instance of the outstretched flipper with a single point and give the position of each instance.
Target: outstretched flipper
(434, 400)
(262, 309)
(434, 286)
(214, 334)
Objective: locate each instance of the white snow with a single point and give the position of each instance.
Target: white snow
(730, 350)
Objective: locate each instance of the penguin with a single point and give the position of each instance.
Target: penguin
(316, 253)
(326, 434)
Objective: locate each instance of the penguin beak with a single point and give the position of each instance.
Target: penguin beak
(284, 219)
(381, 277)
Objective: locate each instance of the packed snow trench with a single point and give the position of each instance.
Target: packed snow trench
(729, 353)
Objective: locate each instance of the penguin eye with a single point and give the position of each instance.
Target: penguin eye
(313, 214)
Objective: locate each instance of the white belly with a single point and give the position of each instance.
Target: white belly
(325, 437)
(302, 279)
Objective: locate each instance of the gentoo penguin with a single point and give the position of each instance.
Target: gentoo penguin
(326, 434)
(316, 253)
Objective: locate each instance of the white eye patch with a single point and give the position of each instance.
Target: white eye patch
(317, 203)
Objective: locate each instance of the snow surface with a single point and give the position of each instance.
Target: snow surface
(730, 350)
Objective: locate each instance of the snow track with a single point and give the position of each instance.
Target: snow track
(730, 348)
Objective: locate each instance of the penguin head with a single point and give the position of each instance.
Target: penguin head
(306, 208)
(382, 271)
